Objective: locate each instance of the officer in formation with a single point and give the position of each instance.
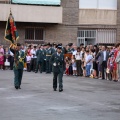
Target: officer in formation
(40, 59)
(19, 60)
(57, 61)
(49, 52)
(70, 49)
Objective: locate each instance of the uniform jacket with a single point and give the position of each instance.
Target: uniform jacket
(40, 55)
(57, 62)
(19, 59)
(49, 53)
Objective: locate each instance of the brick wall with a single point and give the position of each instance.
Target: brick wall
(66, 32)
(118, 21)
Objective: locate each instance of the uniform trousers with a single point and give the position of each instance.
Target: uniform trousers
(39, 66)
(104, 66)
(58, 75)
(18, 73)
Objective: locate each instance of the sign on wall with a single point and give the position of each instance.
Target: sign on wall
(98, 4)
(38, 2)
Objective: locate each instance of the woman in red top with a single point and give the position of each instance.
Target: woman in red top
(115, 79)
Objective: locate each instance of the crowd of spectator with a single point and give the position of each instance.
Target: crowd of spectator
(94, 61)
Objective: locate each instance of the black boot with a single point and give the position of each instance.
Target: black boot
(60, 90)
(16, 87)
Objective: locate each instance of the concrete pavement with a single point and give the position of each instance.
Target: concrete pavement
(82, 98)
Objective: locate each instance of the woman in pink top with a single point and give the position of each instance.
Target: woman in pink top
(1, 49)
(1, 60)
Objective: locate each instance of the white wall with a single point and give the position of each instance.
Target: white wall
(98, 4)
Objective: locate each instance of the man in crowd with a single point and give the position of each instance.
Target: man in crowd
(33, 58)
(104, 55)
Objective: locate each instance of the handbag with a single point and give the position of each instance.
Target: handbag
(7, 63)
(107, 70)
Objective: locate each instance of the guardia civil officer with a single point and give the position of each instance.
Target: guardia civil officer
(70, 49)
(40, 59)
(19, 60)
(57, 60)
(49, 53)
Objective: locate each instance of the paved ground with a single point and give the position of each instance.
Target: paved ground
(82, 99)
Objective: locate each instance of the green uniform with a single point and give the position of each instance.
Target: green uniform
(40, 60)
(70, 50)
(44, 60)
(19, 59)
(49, 53)
(57, 60)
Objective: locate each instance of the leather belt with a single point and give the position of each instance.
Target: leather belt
(48, 55)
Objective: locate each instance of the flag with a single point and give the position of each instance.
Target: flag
(11, 33)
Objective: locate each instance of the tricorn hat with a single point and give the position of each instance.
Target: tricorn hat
(59, 46)
(70, 44)
(18, 44)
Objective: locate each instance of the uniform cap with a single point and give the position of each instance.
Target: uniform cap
(70, 44)
(18, 44)
(59, 46)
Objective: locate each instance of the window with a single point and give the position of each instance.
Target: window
(34, 34)
(98, 4)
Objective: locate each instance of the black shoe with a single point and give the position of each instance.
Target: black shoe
(54, 89)
(36, 71)
(115, 80)
(60, 90)
(16, 87)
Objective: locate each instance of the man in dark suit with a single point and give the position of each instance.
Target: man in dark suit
(104, 55)
(57, 60)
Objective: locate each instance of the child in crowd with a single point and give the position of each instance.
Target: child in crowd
(1, 60)
(88, 60)
(28, 59)
(74, 65)
(110, 68)
(67, 64)
(70, 68)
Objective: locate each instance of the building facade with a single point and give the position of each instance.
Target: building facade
(76, 21)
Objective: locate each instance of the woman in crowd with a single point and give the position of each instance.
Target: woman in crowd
(95, 62)
(88, 61)
(78, 57)
(1, 60)
(74, 65)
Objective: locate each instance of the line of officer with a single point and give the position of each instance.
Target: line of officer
(19, 60)
(57, 60)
